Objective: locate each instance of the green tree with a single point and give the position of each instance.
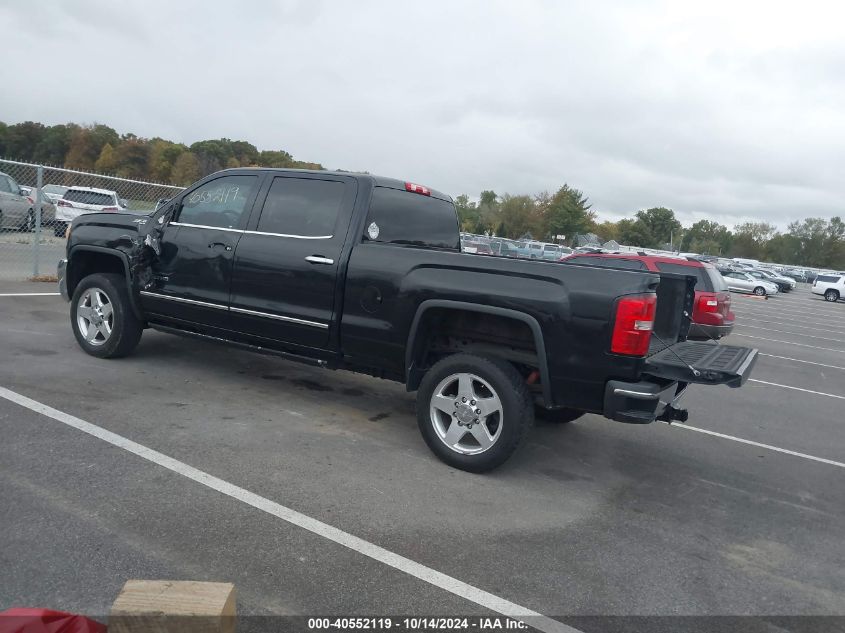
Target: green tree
(662, 225)
(22, 139)
(518, 215)
(607, 231)
(275, 159)
(567, 213)
(750, 238)
(468, 215)
(162, 157)
(107, 162)
(707, 237)
(186, 169)
(634, 233)
(54, 144)
(132, 156)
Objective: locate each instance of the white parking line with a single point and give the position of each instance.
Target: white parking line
(800, 327)
(29, 294)
(827, 349)
(809, 362)
(759, 327)
(818, 393)
(315, 526)
(758, 444)
(770, 310)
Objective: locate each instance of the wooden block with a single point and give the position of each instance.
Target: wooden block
(173, 606)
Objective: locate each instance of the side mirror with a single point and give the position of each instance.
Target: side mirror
(123, 203)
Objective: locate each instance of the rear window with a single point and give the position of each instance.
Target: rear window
(702, 281)
(717, 281)
(828, 278)
(302, 207)
(608, 262)
(401, 217)
(89, 197)
(58, 189)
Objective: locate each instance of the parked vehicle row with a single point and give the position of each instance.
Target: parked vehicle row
(60, 205)
(504, 247)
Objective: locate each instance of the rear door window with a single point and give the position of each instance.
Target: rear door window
(5, 184)
(702, 281)
(403, 217)
(302, 207)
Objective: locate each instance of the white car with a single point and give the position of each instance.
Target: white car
(831, 286)
(743, 282)
(54, 192)
(81, 200)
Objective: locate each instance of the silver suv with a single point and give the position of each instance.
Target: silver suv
(17, 207)
(832, 286)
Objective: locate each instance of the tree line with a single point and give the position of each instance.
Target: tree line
(101, 149)
(813, 242)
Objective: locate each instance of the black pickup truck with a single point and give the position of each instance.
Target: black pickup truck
(353, 271)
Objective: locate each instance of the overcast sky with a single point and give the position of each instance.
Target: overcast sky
(721, 110)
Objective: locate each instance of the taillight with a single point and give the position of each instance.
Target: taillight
(30, 200)
(413, 188)
(110, 209)
(708, 303)
(64, 203)
(633, 326)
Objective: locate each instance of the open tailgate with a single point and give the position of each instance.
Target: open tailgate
(702, 362)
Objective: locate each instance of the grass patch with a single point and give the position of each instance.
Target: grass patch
(47, 278)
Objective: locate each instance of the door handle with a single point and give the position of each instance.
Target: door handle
(316, 259)
(225, 246)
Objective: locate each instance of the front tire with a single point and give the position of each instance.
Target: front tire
(102, 318)
(832, 296)
(474, 411)
(59, 228)
(760, 291)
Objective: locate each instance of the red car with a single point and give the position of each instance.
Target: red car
(711, 315)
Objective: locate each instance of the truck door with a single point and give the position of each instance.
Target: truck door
(193, 273)
(286, 265)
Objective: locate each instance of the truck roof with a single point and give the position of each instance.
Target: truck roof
(378, 181)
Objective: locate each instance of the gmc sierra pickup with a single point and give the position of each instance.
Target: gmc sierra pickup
(353, 271)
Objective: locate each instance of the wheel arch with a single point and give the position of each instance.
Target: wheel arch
(84, 260)
(418, 337)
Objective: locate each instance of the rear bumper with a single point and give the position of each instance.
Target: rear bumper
(61, 273)
(707, 332)
(640, 402)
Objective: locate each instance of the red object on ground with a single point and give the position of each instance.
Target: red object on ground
(46, 621)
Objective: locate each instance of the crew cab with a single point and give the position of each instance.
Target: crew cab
(712, 317)
(354, 271)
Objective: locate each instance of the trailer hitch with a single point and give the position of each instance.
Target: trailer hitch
(671, 414)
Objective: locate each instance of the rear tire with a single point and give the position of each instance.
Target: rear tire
(102, 318)
(832, 296)
(450, 423)
(28, 225)
(760, 291)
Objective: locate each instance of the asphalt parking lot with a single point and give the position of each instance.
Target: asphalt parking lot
(738, 512)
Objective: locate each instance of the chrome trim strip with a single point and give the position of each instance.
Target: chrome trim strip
(298, 237)
(636, 394)
(279, 317)
(203, 226)
(204, 304)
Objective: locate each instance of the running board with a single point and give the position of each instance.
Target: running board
(314, 362)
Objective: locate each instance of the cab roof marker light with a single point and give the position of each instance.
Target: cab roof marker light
(415, 188)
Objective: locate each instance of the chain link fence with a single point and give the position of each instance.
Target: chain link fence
(37, 202)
